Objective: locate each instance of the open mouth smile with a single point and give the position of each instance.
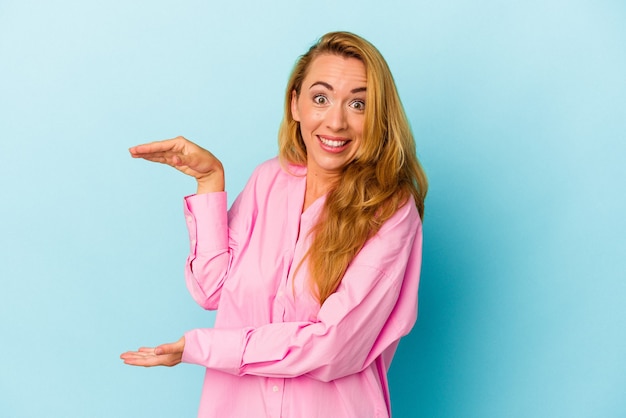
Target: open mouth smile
(333, 143)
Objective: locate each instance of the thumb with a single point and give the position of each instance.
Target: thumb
(190, 160)
(171, 348)
(202, 163)
(163, 349)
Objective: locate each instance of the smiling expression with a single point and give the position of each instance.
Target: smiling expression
(331, 111)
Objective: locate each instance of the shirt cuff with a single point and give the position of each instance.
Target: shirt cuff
(224, 355)
(207, 221)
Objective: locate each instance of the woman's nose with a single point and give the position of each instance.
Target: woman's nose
(336, 117)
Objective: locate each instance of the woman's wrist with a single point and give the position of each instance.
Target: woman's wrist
(212, 183)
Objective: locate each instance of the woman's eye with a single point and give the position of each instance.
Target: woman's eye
(358, 105)
(320, 99)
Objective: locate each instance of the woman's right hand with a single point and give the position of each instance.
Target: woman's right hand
(186, 157)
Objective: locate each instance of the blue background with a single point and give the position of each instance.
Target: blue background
(519, 111)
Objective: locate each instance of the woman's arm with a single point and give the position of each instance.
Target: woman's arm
(208, 261)
(374, 306)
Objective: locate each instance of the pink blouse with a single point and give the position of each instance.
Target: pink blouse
(274, 352)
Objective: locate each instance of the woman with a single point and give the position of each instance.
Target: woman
(314, 270)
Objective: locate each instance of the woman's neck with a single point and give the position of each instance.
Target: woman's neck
(316, 187)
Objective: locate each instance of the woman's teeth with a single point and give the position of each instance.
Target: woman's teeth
(332, 143)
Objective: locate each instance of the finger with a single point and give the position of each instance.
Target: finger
(170, 159)
(136, 358)
(157, 146)
(192, 164)
(136, 354)
(150, 360)
(142, 361)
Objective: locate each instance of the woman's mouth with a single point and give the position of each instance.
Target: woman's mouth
(333, 144)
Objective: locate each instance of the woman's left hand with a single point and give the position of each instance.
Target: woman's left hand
(164, 355)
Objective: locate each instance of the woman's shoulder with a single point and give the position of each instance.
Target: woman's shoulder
(269, 165)
(405, 222)
(273, 168)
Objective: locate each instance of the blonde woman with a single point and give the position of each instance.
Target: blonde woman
(314, 270)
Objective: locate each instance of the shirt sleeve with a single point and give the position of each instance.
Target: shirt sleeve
(214, 233)
(375, 305)
(207, 264)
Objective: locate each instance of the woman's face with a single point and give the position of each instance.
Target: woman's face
(331, 112)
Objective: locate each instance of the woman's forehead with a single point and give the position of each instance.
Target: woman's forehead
(336, 70)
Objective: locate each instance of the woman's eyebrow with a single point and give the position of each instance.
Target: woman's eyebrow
(322, 83)
(329, 87)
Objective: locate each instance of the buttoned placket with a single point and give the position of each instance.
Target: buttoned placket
(275, 391)
(276, 386)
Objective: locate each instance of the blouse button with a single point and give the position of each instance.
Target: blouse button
(275, 388)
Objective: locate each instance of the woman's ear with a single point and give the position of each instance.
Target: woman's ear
(294, 106)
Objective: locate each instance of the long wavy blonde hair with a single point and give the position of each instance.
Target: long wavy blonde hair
(383, 175)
